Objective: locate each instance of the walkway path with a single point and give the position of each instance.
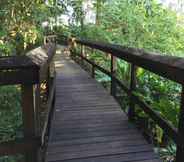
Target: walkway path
(88, 124)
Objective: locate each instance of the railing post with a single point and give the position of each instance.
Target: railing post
(92, 71)
(92, 66)
(180, 140)
(29, 119)
(37, 109)
(131, 111)
(113, 73)
(82, 54)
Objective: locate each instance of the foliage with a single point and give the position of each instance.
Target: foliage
(169, 153)
(21, 23)
(10, 113)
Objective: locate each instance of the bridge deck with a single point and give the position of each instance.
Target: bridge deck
(89, 125)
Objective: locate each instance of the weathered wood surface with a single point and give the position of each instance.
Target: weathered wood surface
(28, 69)
(170, 67)
(88, 124)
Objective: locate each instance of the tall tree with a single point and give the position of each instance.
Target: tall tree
(78, 12)
(99, 4)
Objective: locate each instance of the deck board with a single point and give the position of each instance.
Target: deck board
(88, 124)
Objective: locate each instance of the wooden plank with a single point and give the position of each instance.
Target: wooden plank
(96, 130)
(98, 139)
(102, 152)
(98, 146)
(70, 136)
(138, 156)
(18, 146)
(95, 127)
(20, 76)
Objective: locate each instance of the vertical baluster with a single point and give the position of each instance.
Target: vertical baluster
(92, 66)
(92, 71)
(180, 140)
(28, 113)
(37, 109)
(82, 54)
(131, 111)
(37, 103)
(113, 73)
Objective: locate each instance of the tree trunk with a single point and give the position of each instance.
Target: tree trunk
(98, 11)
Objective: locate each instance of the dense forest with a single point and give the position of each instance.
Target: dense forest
(145, 24)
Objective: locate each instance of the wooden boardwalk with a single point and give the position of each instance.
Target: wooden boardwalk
(88, 124)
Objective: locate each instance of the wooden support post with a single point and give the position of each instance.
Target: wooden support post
(131, 111)
(180, 140)
(29, 119)
(82, 54)
(92, 71)
(37, 104)
(113, 73)
(37, 109)
(92, 66)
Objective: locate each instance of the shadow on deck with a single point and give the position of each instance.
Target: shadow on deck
(88, 124)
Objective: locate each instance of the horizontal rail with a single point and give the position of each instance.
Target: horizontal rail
(19, 146)
(34, 58)
(95, 65)
(23, 76)
(170, 67)
(28, 69)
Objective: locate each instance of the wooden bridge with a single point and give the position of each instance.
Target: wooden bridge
(88, 124)
(83, 122)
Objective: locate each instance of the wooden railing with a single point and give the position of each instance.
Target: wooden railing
(30, 71)
(166, 66)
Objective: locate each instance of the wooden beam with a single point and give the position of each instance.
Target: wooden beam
(20, 76)
(20, 146)
(170, 67)
(29, 69)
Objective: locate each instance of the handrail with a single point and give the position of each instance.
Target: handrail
(30, 71)
(26, 69)
(170, 67)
